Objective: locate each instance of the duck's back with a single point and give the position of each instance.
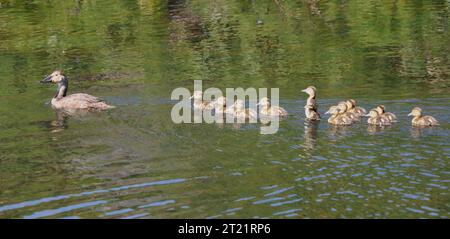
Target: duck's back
(80, 101)
(425, 121)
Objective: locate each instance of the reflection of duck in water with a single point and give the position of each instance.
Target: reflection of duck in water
(419, 120)
(74, 101)
(311, 111)
(266, 109)
(310, 134)
(373, 128)
(337, 118)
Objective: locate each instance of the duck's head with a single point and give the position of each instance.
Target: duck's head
(372, 113)
(333, 110)
(264, 102)
(416, 112)
(55, 77)
(353, 102)
(239, 104)
(342, 106)
(379, 109)
(198, 95)
(310, 90)
(349, 104)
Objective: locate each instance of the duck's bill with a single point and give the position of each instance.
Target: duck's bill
(410, 114)
(47, 79)
(367, 115)
(304, 90)
(327, 113)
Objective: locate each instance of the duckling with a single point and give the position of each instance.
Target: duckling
(355, 109)
(343, 108)
(266, 109)
(420, 120)
(75, 101)
(381, 111)
(311, 111)
(199, 103)
(337, 118)
(376, 119)
(242, 112)
(220, 105)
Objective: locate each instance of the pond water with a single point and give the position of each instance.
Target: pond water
(134, 162)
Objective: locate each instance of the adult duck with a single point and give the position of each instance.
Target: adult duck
(78, 101)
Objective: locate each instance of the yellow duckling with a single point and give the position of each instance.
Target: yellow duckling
(79, 101)
(199, 103)
(242, 112)
(311, 111)
(344, 110)
(376, 119)
(351, 103)
(419, 120)
(337, 118)
(381, 111)
(266, 109)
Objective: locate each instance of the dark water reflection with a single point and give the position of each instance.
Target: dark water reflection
(133, 162)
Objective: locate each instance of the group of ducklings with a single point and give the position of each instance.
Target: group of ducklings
(237, 109)
(347, 112)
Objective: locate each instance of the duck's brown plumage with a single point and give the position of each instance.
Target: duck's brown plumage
(268, 110)
(337, 118)
(419, 120)
(376, 119)
(311, 108)
(75, 101)
(381, 111)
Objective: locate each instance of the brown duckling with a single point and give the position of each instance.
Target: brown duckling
(267, 110)
(311, 111)
(355, 109)
(376, 119)
(337, 118)
(79, 101)
(381, 111)
(242, 112)
(343, 108)
(199, 103)
(419, 120)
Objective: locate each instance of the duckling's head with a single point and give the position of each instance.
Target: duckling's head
(264, 102)
(349, 104)
(342, 106)
(55, 77)
(198, 95)
(310, 90)
(333, 110)
(353, 102)
(416, 112)
(372, 113)
(379, 109)
(239, 104)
